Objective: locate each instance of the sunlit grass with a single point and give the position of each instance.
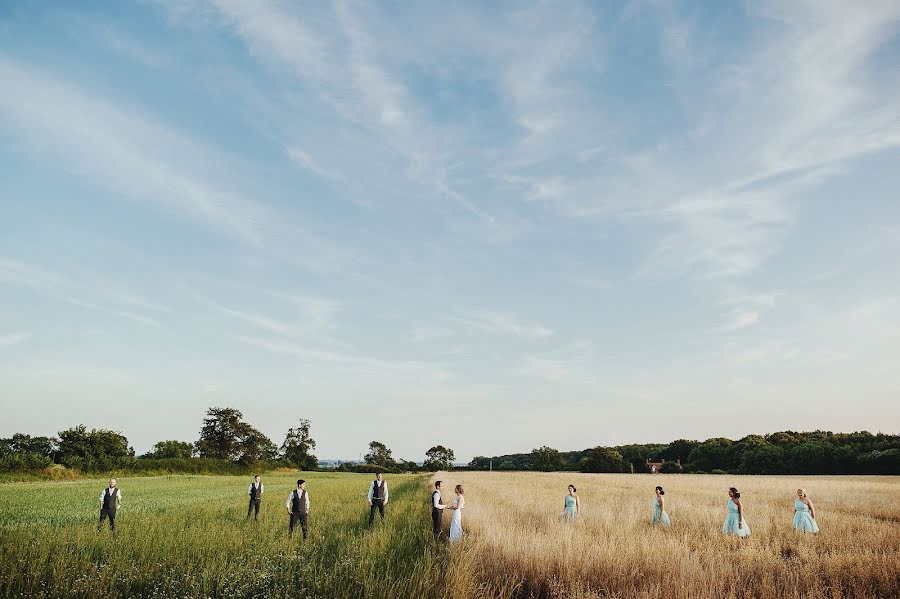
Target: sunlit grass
(186, 536)
(519, 541)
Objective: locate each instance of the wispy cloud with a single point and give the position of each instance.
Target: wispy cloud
(123, 151)
(11, 339)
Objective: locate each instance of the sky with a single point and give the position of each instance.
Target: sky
(492, 226)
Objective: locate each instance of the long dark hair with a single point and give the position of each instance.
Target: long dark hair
(660, 489)
(735, 492)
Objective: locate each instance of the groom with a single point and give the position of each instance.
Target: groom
(437, 510)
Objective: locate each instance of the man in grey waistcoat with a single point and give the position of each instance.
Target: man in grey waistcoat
(378, 497)
(110, 502)
(255, 490)
(298, 507)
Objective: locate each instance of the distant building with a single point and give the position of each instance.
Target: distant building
(655, 466)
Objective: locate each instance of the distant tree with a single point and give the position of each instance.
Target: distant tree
(603, 459)
(407, 466)
(165, 450)
(225, 436)
(21, 443)
(379, 455)
(762, 459)
(813, 456)
(438, 458)
(679, 449)
(710, 455)
(784, 439)
(480, 463)
(298, 445)
(671, 468)
(880, 462)
(221, 435)
(506, 465)
(97, 449)
(546, 459)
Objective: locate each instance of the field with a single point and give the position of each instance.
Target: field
(186, 536)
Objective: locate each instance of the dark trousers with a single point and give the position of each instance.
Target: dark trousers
(437, 517)
(254, 504)
(377, 504)
(295, 518)
(107, 513)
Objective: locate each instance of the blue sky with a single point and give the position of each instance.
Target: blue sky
(488, 225)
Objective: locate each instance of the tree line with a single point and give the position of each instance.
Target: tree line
(227, 444)
(785, 452)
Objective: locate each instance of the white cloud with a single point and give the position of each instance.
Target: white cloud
(11, 339)
(128, 153)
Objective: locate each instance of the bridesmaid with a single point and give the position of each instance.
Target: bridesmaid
(804, 513)
(572, 505)
(660, 515)
(734, 521)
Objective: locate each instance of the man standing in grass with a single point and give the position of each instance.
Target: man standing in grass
(110, 502)
(437, 510)
(298, 507)
(256, 491)
(378, 497)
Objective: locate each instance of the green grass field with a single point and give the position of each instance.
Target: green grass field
(187, 536)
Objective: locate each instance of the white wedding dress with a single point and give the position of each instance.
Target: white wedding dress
(456, 529)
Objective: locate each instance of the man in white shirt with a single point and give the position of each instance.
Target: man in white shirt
(110, 502)
(298, 507)
(378, 497)
(255, 490)
(437, 510)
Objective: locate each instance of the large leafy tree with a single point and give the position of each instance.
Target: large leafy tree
(712, 454)
(546, 459)
(298, 445)
(603, 459)
(225, 436)
(97, 449)
(379, 455)
(438, 458)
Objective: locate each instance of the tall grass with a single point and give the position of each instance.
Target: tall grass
(186, 536)
(519, 545)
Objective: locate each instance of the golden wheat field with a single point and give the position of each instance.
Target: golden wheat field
(518, 544)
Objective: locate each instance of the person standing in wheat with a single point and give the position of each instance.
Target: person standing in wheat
(456, 529)
(572, 504)
(804, 513)
(734, 521)
(660, 515)
(437, 510)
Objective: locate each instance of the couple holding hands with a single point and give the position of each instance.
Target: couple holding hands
(437, 512)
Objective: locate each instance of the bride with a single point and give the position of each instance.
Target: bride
(456, 529)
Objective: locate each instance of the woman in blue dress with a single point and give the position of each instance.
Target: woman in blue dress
(804, 513)
(734, 521)
(660, 515)
(572, 504)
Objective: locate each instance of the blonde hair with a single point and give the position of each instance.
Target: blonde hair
(802, 492)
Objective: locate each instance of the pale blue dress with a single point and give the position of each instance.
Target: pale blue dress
(803, 520)
(571, 507)
(731, 522)
(659, 518)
